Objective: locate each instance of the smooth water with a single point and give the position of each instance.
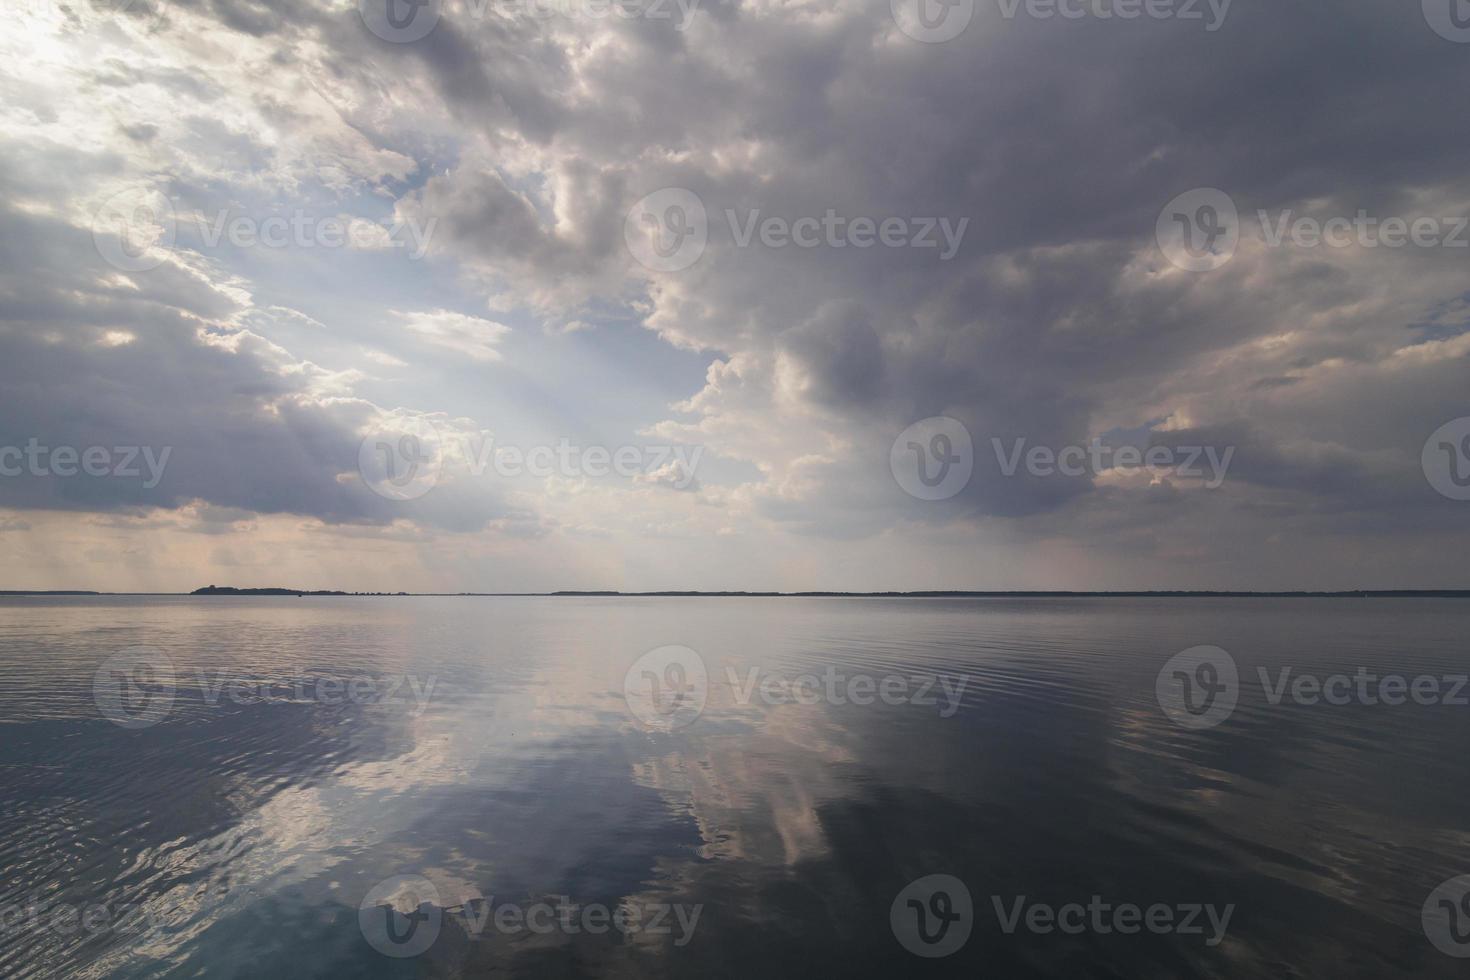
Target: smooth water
(489, 748)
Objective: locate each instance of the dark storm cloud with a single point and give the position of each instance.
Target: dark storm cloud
(150, 364)
(1061, 142)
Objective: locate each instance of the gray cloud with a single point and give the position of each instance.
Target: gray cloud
(1056, 319)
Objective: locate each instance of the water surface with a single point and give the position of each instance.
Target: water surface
(490, 750)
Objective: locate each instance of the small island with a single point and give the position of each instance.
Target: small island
(231, 590)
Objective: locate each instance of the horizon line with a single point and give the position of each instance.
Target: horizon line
(232, 591)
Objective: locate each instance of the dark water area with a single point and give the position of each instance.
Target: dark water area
(554, 786)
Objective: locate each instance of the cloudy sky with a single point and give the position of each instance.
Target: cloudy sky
(843, 294)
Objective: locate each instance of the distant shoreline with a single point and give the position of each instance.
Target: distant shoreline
(231, 592)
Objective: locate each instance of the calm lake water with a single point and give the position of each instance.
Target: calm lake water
(345, 787)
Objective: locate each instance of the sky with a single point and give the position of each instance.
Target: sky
(502, 295)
